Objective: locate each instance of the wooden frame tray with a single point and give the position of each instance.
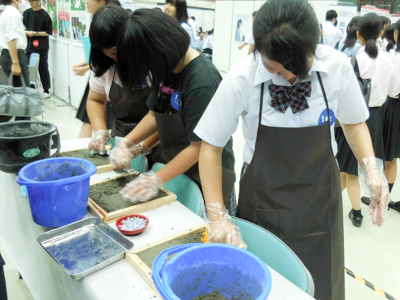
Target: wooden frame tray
(143, 269)
(100, 169)
(109, 217)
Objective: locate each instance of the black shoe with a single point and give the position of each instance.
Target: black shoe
(395, 205)
(356, 220)
(365, 200)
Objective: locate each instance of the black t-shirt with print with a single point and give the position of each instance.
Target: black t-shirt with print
(197, 84)
(37, 21)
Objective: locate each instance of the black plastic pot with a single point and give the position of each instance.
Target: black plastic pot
(23, 142)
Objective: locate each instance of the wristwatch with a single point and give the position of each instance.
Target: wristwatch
(37, 33)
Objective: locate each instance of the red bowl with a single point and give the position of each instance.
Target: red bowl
(131, 232)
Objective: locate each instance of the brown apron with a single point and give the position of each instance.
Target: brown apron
(292, 188)
(127, 112)
(174, 138)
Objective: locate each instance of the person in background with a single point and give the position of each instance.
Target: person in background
(250, 38)
(288, 95)
(80, 69)
(330, 34)
(239, 36)
(183, 83)
(193, 24)
(381, 42)
(39, 26)
(390, 40)
(391, 124)
(178, 10)
(350, 45)
(200, 42)
(209, 43)
(376, 66)
(13, 43)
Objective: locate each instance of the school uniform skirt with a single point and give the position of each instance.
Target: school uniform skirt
(391, 129)
(345, 157)
(83, 115)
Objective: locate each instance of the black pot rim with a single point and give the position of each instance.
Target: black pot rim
(53, 128)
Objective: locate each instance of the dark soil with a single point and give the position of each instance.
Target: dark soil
(107, 194)
(95, 158)
(215, 295)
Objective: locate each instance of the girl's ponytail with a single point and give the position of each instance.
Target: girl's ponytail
(371, 48)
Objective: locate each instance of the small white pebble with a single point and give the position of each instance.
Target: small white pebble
(134, 223)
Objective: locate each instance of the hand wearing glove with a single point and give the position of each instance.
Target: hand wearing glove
(371, 174)
(143, 188)
(99, 141)
(121, 156)
(221, 229)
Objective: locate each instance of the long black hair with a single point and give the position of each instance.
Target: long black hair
(150, 46)
(181, 10)
(369, 27)
(107, 22)
(351, 38)
(398, 29)
(239, 22)
(389, 35)
(287, 31)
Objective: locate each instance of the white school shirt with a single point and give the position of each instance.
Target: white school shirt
(102, 85)
(12, 28)
(331, 34)
(380, 71)
(394, 88)
(209, 43)
(250, 38)
(239, 95)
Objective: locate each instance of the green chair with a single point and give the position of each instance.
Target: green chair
(139, 163)
(276, 254)
(186, 190)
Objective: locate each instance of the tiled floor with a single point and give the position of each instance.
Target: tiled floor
(371, 252)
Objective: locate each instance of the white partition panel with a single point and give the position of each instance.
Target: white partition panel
(208, 20)
(60, 69)
(77, 84)
(222, 35)
(242, 10)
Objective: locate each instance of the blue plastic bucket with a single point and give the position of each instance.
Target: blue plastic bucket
(198, 269)
(58, 189)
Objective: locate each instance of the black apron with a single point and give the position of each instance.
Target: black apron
(292, 188)
(174, 138)
(127, 112)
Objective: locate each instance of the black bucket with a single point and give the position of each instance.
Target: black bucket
(23, 142)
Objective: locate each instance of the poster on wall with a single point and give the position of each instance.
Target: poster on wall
(64, 21)
(369, 8)
(243, 28)
(345, 14)
(78, 22)
(52, 11)
(77, 5)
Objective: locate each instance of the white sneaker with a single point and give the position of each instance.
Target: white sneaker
(46, 95)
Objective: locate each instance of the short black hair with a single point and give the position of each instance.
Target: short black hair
(385, 20)
(6, 2)
(181, 10)
(115, 2)
(330, 14)
(287, 31)
(150, 46)
(104, 29)
(369, 27)
(193, 18)
(157, 8)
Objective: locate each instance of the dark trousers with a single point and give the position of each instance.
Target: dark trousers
(3, 289)
(43, 70)
(6, 64)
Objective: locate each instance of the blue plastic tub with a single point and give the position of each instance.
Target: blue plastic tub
(58, 189)
(198, 269)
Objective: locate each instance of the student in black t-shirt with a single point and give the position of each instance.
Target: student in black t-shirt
(153, 47)
(39, 26)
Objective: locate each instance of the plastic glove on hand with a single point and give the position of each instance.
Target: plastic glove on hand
(221, 229)
(121, 156)
(143, 188)
(99, 141)
(371, 173)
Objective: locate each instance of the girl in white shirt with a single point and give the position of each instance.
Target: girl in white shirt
(391, 125)
(375, 66)
(288, 95)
